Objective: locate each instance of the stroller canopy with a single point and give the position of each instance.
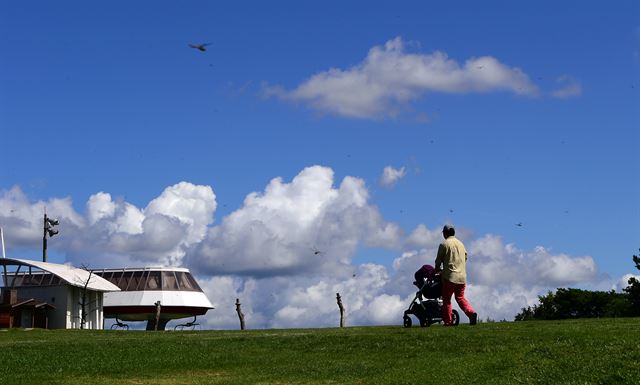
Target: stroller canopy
(425, 273)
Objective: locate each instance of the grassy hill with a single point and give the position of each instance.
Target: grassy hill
(593, 351)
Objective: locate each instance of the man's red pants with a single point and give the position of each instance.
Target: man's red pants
(449, 288)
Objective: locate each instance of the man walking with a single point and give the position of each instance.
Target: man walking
(452, 261)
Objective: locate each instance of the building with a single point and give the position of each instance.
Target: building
(153, 293)
(51, 295)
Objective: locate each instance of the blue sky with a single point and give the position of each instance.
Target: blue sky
(537, 124)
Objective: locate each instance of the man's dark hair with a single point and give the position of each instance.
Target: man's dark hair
(448, 230)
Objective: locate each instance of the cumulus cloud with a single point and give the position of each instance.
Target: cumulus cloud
(391, 176)
(157, 234)
(504, 278)
(305, 300)
(22, 219)
(278, 231)
(390, 78)
(113, 231)
(568, 88)
(287, 250)
(623, 282)
(496, 263)
(423, 237)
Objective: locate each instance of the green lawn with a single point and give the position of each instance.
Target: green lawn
(594, 351)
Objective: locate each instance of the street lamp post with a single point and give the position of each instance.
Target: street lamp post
(50, 231)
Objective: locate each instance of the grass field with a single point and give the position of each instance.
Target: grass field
(594, 351)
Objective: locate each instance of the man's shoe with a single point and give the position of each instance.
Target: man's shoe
(473, 319)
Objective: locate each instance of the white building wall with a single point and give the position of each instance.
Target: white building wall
(68, 311)
(71, 308)
(53, 295)
(93, 308)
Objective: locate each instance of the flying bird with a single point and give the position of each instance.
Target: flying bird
(200, 47)
(316, 251)
(519, 224)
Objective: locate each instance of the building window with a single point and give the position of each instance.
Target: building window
(187, 282)
(137, 281)
(169, 281)
(153, 281)
(124, 281)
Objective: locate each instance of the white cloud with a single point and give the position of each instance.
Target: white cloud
(374, 295)
(623, 282)
(192, 205)
(118, 217)
(502, 302)
(423, 237)
(384, 309)
(264, 253)
(569, 88)
(113, 231)
(223, 292)
(305, 300)
(100, 206)
(502, 279)
(494, 263)
(278, 232)
(22, 219)
(158, 234)
(391, 176)
(389, 78)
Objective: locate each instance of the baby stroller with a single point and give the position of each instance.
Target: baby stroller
(427, 304)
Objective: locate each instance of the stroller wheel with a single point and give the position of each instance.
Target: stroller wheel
(406, 321)
(425, 322)
(455, 317)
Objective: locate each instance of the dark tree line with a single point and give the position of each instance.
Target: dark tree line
(577, 303)
(633, 290)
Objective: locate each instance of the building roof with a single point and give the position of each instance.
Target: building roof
(71, 275)
(27, 302)
(146, 268)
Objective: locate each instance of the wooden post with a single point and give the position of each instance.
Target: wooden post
(240, 315)
(341, 309)
(158, 307)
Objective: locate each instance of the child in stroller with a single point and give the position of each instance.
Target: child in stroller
(427, 304)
